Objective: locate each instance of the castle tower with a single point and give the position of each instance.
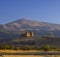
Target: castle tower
(28, 34)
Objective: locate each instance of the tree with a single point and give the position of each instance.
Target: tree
(46, 48)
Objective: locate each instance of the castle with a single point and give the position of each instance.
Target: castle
(27, 34)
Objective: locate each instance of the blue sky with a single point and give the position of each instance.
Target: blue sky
(40, 10)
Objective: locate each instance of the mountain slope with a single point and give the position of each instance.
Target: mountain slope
(42, 28)
(10, 33)
(25, 24)
(29, 24)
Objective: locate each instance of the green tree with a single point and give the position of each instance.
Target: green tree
(46, 47)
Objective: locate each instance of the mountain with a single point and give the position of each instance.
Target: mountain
(10, 33)
(39, 28)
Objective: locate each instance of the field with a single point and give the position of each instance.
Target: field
(30, 56)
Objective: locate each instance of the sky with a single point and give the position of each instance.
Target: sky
(40, 10)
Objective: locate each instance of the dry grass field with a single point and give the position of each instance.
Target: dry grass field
(31, 56)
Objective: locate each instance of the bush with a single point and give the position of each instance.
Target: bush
(26, 47)
(46, 48)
